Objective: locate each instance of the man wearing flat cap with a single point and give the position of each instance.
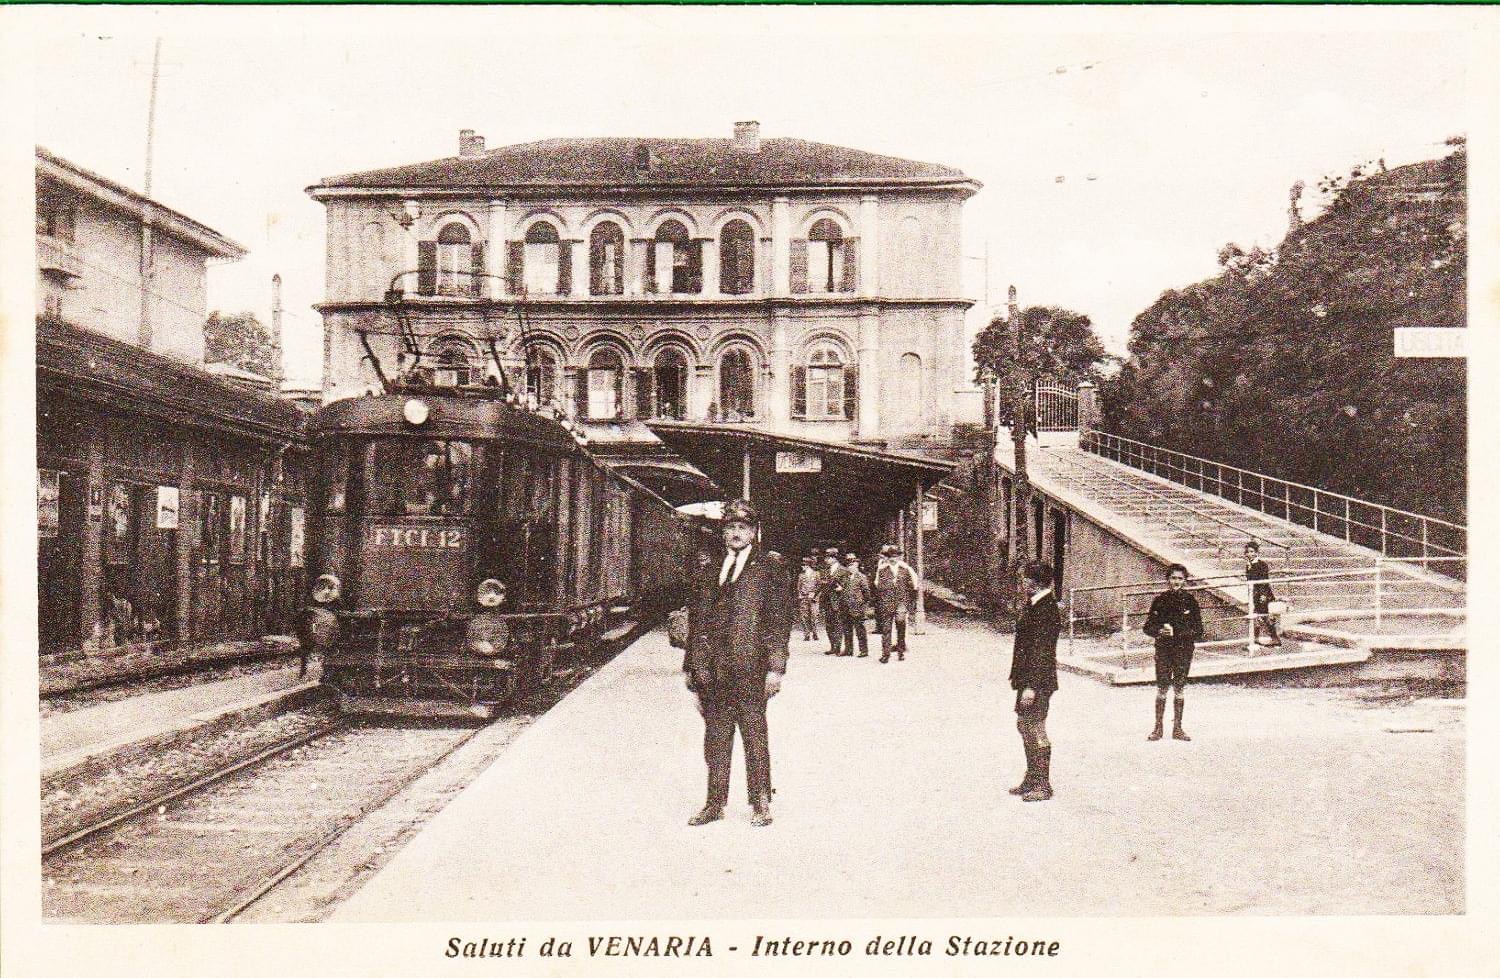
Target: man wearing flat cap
(740, 628)
(830, 599)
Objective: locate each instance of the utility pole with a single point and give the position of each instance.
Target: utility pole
(148, 246)
(1019, 422)
(278, 358)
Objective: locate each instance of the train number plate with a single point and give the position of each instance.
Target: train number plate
(452, 539)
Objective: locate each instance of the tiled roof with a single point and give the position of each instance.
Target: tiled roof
(616, 162)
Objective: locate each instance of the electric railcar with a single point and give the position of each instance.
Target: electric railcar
(464, 547)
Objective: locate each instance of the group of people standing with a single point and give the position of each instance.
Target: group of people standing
(740, 621)
(840, 594)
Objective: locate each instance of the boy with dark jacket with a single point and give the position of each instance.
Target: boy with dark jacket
(1033, 675)
(1176, 622)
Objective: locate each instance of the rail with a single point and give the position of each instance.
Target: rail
(1241, 535)
(1131, 590)
(1392, 532)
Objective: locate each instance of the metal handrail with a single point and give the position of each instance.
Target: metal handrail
(1199, 585)
(1097, 440)
(1174, 502)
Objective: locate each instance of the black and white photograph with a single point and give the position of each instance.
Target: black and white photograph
(469, 440)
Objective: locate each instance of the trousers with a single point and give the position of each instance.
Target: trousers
(724, 711)
(856, 629)
(833, 622)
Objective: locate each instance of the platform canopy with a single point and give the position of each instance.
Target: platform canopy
(809, 493)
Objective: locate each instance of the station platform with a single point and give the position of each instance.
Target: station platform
(138, 722)
(891, 803)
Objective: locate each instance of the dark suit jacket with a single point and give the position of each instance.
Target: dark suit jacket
(1180, 610)
(1034, 665)
(740, 632)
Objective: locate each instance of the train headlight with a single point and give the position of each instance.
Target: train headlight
(490, 593)
(415, 411)
(326, 589)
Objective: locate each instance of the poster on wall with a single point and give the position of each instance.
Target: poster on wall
(237, 509)
(929, 514)
(48, 483)
(296, 540)
(119, 519)
(166, 507)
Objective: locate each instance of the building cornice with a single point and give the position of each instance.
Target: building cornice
(157, 216)
(963, 188)
(651, 304)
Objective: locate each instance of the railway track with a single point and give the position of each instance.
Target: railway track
(208, 851)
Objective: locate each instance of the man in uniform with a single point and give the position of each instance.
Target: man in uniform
(740, 627)
(855, 599)
(1033, 675)
(1176, 622)
(830, 599)
(895, 592)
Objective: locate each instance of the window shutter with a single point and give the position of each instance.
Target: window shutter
(851, 392)
(426, 267)
(650, 284)
(597, 272)
(564, 267)
(515, 267)
(476, 281)
(799, 392)
(581, 393)
(695, 266)
(799, 264)
(851, 266)
(644, 394)
(620, 393)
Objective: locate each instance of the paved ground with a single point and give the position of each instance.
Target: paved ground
(141, 715)
(891, 803)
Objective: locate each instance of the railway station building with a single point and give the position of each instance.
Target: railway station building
(170, 500)
(742, 298)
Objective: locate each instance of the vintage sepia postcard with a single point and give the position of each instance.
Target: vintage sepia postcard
(870, 490)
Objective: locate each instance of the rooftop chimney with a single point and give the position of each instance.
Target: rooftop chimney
(469, 144)
(747, 137)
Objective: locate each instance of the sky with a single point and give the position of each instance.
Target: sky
(1119, 149)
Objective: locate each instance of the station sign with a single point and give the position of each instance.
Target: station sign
(449, 538)
(1431, 341)
(798, 462)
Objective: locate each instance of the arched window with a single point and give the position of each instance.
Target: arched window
(541, 374)
(607, 259)
(736, 258)
(736, 385)
(543, 260)
(675, 262)
(453, 364)
(909, 401)
(668, 383)
(455, 260)
(601, 385)
(825, 257)
(822, 386)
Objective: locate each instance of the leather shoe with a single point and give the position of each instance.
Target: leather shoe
(761, 815)
(1180, 734)
(709, 814)
(1019, 789)
(1154, 735)
(1039, 793)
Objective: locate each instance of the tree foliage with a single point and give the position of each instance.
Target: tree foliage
(1054, 342)
(240, 340)
(1283, 362)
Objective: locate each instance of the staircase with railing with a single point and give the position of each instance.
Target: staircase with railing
(1346, 567)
